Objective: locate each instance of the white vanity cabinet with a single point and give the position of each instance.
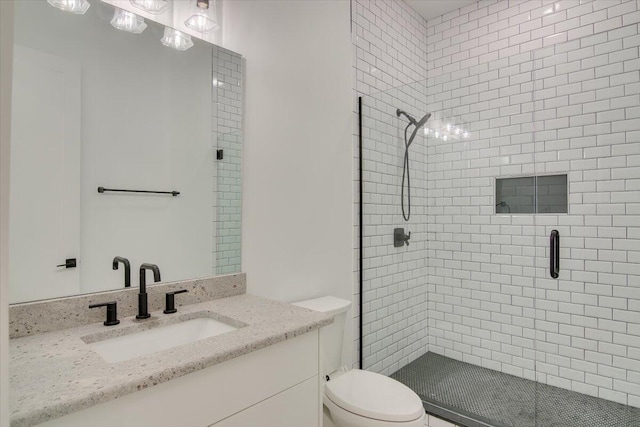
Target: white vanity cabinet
(276, 386)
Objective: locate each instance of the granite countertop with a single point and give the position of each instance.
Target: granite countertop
(57, 373)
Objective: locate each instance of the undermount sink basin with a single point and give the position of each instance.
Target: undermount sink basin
(162, 337)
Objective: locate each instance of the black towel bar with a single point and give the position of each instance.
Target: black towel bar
(103, 190)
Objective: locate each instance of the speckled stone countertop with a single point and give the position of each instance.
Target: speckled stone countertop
(57, 373)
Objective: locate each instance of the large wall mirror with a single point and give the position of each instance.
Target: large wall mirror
(94, 106)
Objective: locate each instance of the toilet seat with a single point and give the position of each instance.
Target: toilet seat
(362, 394)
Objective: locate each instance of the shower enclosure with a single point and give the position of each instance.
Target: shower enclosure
(517, 300)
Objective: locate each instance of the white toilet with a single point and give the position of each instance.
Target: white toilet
(356, 398)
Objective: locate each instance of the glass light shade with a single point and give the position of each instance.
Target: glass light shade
(203, 18)
(176, 39)
(73, 6)
(155, 7)
(127, 21)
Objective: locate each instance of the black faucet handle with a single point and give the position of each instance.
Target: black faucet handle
(399, 238)
(112, 312)
(170, 301)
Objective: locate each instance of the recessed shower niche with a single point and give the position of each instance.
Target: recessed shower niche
(532, 194)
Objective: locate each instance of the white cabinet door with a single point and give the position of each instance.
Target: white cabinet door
(45, 176)
(295, 407)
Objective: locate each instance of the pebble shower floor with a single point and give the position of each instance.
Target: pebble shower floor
(484, 397)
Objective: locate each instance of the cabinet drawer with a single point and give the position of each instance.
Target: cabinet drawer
(212, 394)
(295, 407)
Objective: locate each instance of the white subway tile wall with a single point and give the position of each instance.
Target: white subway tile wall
(395, 285)
(543, 88)
(227, 98)
(390, 44)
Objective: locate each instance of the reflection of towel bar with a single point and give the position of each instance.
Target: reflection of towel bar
(173, 193)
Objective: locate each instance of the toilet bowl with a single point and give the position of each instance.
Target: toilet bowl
(366, 399)
(357, 398)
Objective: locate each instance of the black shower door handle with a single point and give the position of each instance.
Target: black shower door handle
(554, 252)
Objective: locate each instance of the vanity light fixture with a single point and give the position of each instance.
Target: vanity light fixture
(176, 39)
(74, 6)
(127, 21)
(203, 18)
(154, 7)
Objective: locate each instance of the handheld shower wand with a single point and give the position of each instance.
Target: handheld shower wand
(405, 167)
(413, 121)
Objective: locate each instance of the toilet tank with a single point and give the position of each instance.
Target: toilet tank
(331, 336)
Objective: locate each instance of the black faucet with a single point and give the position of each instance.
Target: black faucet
(127, 269)
(143, 308)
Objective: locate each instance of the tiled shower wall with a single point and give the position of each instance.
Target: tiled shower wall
(228, 98)
(389, 40)
(395, 291)
(545, 88)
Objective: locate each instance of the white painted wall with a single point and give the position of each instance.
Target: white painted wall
(47, 87)
(6, 47)
(297, 199)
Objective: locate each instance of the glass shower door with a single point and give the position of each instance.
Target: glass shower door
(587, 146)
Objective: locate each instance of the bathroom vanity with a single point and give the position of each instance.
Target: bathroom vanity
(136, 165)
(261, 370)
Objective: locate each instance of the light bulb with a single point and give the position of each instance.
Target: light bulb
(437, 134)
(127, 21)
(73, 6)
(176, 39)
(154, 7)
(444, 138)
(466, 134)
(203, 18)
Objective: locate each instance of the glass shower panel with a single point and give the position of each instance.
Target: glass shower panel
(394, 278)
(468, 274)
(587, 111)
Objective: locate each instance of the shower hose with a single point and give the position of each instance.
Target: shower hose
(406, 214)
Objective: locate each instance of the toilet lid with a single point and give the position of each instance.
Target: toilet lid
(374, 396)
